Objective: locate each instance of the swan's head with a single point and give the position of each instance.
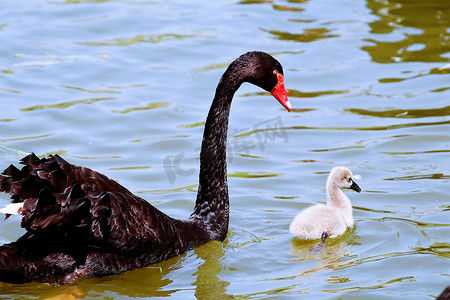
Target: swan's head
(343, 178)
(261, 69)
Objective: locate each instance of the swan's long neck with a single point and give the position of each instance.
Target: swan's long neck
(336, 197)
(212, 206)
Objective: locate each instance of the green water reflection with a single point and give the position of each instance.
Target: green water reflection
(409, 31)
(309, 35)
(403, 113)
(138, 39)
(66, 104)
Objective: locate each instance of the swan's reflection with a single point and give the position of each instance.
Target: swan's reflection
(208, 285)
(335, 255)
(195, 271)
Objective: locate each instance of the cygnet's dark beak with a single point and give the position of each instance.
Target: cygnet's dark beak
(355, 187)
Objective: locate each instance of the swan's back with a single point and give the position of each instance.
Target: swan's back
(76, 214)
(312, 222)
(72, 201)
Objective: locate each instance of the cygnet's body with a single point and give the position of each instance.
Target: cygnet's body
(332, 219)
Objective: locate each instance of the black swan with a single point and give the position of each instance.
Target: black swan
(80, 223)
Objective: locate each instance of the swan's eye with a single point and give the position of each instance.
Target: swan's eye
(350, 179)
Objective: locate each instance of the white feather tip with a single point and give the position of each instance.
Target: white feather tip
(12, 209)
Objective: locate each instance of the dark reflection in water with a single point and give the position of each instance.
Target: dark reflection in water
(416, 223)
(155, 281)
(128, 41)
(403, 113)
(149, 106)
(287, 8)
(139, 283)
(280, 7)
(66, 104)
(374, 128)
(309, 35)
(411, 30)
(421, 177)
(298, 94)
(205, 263)
(208, 285)
(434, 71)
(254, 1)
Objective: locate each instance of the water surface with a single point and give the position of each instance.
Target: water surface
(123, 87)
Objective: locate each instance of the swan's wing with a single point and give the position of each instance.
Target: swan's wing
(82, 206)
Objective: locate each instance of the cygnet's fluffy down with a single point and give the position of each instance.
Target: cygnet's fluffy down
(332, 219)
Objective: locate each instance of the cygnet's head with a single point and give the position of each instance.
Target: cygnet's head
(343, 178)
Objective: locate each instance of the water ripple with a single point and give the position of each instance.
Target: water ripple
(90, 91)
(403, 113)
(139, 39)
(149, 106)
(254, 174)
(66, 104)
(438, 249)
(310, 35)
(373, 128)
(420, 177)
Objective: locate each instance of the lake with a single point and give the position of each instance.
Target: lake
(123, 87)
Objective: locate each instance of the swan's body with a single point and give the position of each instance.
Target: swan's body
(332, 219)
(81, 223)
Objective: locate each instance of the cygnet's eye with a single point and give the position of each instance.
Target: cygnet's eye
(350, 179)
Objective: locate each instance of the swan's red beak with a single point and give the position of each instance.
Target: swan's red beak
(279, 92)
